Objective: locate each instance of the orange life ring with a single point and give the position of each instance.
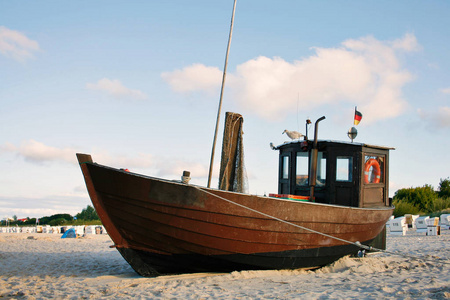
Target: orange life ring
(375, 169)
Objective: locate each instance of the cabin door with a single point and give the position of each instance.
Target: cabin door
(344, 185)
(374, 180)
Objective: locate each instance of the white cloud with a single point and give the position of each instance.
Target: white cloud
(194, 78)
(445, 91)
(407, 43)
(437, 119)
(170, 168)
(116, 89)
(37, 207)
(38, 152)
(366, 72)
(16, 45)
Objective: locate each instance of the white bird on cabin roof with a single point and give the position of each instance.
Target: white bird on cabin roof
(294, 135)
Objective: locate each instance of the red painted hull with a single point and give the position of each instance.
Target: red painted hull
(161, 226)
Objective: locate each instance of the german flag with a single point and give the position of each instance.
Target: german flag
(358, 117)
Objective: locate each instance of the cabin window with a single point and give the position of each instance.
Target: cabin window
(302, 169)
(373, 169)
(344, 166)
(285, 167)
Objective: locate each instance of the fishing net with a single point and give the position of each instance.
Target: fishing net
(232, 175)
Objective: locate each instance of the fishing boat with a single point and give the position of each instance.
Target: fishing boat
(332, 199)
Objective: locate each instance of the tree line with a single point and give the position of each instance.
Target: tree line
(87, 216)
(423, 200)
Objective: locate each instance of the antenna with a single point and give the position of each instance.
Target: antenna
(298, 100)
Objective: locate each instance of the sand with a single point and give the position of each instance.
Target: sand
(43, 266)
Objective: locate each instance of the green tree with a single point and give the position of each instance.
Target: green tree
(47, 220)
(57, 222)
(88, 214)
(29, 221)
(444, 188)
(420, 197)
(403, 208)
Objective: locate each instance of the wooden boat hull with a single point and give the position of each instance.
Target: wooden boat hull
(151, 264)
(161, 226)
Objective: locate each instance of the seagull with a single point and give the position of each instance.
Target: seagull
(294, 135)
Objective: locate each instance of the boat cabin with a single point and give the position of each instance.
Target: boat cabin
(350, 174)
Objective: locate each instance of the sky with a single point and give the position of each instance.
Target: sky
(136, 84)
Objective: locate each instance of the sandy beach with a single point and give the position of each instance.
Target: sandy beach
(43, 266)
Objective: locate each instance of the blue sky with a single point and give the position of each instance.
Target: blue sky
(136, 84)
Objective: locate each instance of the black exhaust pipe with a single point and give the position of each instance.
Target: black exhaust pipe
(313, 173)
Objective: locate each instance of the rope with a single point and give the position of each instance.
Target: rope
(358, 244)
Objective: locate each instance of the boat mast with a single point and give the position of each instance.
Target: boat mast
(221, 97)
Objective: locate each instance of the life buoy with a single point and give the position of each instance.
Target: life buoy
(376, 170)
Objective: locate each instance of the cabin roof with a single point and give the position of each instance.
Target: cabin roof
(334, 142)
